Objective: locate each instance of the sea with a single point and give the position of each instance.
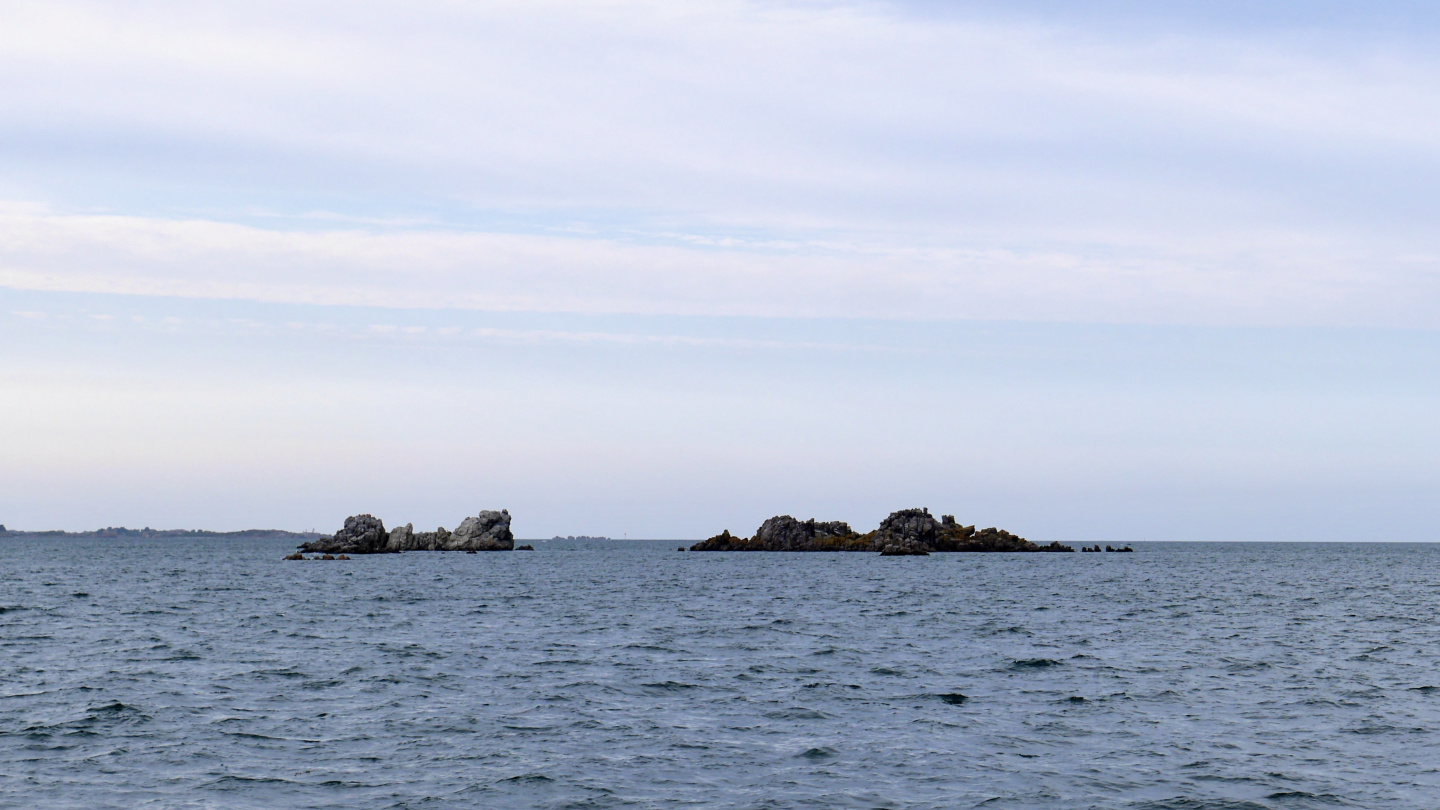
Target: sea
(1186, 676)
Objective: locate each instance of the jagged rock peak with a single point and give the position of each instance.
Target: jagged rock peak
(488, 531)
(910, 529)
(362, 534)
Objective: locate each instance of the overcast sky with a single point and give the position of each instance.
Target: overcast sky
(1086, 271)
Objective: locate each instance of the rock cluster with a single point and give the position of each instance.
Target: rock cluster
(906, 532)
(365, 534)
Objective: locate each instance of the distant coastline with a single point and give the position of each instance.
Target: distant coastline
(120, 532)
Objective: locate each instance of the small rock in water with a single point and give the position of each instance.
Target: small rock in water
(296, 556)
(328, 557)
(526, 547)
(343, 557)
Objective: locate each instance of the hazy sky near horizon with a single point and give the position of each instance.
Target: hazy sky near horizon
(1084, 270)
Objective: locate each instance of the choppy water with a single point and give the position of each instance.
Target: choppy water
(202, 674)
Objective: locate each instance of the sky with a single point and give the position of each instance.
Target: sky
(1112, 271)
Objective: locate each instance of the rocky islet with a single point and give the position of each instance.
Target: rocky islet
(366, 534)
(906, 532)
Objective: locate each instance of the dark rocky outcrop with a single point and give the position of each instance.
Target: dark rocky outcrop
(365, 534)
(906, 532)
(785, 533)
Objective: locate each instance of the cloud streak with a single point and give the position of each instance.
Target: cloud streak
(1308, 283)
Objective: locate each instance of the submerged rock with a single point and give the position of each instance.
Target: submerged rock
(908, 531)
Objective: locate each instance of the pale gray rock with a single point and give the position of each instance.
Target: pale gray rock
(488, 531)
(431, 541)
(401, 538)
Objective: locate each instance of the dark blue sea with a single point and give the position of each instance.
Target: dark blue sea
(212, 674)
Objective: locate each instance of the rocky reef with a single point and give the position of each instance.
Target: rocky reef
(906, 532)
(366, 534)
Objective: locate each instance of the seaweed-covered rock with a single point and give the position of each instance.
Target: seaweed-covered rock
(785, 533)
(725, 541)
(363, 534)
(897, 550)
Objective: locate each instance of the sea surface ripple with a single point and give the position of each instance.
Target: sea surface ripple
(194, 673)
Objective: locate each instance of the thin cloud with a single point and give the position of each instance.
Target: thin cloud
(721, 158)
(1295, 279)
